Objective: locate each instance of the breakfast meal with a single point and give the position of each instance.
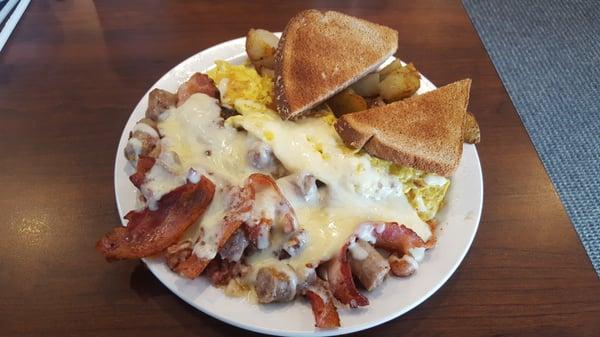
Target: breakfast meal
(311, 170)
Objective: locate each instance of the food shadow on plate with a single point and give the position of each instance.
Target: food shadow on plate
(278, 307)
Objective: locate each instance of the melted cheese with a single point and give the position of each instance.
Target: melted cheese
(355, 192)
(160, 180)
(355, 197)
(136, 144)
(195, 131)
(357, 251)
(145, 128)
(353, 185)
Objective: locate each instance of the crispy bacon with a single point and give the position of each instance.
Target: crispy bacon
(258, 229)
(341, 282)
(326, 315)
(433, 239)
(144, 165)
(404, 266)
(191, 266)
(396, 238)
(198, 83)
(259, 233)
(150, 232)
(241, 201)
(178, 253)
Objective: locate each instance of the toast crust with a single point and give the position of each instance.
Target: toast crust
(472, 134)
(423, 131)
(321, 53)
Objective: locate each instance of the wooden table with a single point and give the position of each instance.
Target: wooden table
(72, 73)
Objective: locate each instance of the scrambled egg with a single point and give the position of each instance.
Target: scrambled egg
(250, 93)
(425, 191)
(241, 81)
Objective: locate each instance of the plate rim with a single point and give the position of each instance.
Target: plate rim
(316, 332)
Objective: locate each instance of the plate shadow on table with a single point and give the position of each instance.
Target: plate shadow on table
(417, 322)
(149, 288)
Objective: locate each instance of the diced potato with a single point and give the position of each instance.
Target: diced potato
(345, 102)
(396, 64)
(267, 72)
(375, 102)
(471, 132)
(260, 47)
(367, 86)
(401, 83)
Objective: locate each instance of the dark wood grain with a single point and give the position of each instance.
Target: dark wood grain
(72, 73)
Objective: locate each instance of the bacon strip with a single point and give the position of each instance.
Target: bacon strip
(397, 238)
(259, 233)
(150, 232)
(241, 205)
(198, 83)
(326, 315)
(404, 266)
(144, 165)
(193, 266)
(341, 282)
(257, 229)
(190, 265)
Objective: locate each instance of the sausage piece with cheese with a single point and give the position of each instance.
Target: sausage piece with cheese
(143, 141)
(276, 284)
(367, 264)
(159, 101)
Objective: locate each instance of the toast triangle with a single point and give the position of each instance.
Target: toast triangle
(423, 131)
(321, 53)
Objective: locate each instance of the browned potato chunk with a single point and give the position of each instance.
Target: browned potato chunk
(375, 102)
(260, 47)
(396, 64)
(345, 102)
(471, 132)
(401, 83)
(367, 86)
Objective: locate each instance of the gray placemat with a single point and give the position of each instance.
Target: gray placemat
(548, 56)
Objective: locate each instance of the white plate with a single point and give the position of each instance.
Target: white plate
(458, 223)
